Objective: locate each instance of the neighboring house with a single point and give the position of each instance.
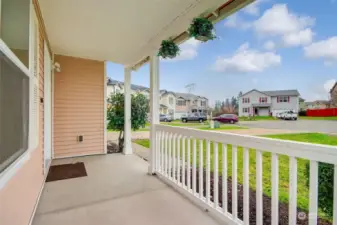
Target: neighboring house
(333, 96)
(171, 103)
(318, 104)
(264, 103)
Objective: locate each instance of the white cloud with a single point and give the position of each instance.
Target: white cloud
(188, 51)
(269, 45)
(234, 21)
(279, 21)
(326, 49)
(329, 84)
(247, 60)
(253, 9)
(303, 37)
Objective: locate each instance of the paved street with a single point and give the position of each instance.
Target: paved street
(322, 126)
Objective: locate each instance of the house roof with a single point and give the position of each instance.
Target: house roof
(276, 92)
(188, 96)
(163, 106)
(333, 87)
(133, 86)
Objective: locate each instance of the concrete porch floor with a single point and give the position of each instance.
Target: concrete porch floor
(117, 191)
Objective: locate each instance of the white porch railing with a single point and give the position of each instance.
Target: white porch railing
(182, 161)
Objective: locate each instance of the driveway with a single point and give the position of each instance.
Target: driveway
(322, 126)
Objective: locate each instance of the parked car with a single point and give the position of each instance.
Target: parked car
(289, 115)
(227, 118)
(194, 117)
(165, 118)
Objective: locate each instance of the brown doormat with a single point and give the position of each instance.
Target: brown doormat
(66, 171)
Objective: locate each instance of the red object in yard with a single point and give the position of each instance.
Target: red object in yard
(322, 112)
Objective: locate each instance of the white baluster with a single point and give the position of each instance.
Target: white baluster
(170, 157)
(165, 154)
(188, 164)
(275, 187)
(201, 169)
(158, 138)
(174, 157)
(259, 189)
(183, 162)
(313, 193)
(178, 159)
(208, 175)
(292, 190)
(246, 186)
(224, 178)
(194, 167)
(216, 175)
(234, 182)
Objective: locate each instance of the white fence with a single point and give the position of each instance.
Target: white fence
(183, 162)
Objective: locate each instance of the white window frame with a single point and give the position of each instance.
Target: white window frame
(181, 102)
(171, 100)
(264, 99)
(245, 100)
(283, 99)
(13, 168)
(245, 110)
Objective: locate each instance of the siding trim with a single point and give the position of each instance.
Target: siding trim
(105, 139)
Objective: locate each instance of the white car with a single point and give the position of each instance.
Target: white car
(289, 115)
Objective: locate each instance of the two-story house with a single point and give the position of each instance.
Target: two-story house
(171, 103)
(333, 96)
(264, 103)
(318, 104)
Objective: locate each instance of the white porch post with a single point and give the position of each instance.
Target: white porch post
(154, 109)
(127, 112)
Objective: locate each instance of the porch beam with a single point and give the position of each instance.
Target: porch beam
(127, 112)
(154, 109)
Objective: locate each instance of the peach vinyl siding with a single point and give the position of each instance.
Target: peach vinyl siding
(18, 202)
(78, 107)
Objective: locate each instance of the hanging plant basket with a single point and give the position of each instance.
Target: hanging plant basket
(202, 29)
(168, 49)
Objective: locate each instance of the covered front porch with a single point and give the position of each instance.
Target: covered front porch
(117, 190)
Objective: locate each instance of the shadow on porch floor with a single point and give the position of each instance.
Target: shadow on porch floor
(117, 190)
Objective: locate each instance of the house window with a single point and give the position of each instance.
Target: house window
(245, 110)
(245, 100)
(14, 28)
(14, 111)
(203, 103)
(181, 102)
(283, 99)
(263, 99)
(171, 101)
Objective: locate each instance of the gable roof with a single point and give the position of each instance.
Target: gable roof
(188, 96)
(333, 87)
(276, 92)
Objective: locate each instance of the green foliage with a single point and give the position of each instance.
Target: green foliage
(139, 110)
(168, 49)
(325, 186)
(201, 29)
(115, 114)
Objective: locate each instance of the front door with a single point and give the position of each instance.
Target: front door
(47, 110)
(256, 111)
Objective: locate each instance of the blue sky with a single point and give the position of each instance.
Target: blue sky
(269, 45)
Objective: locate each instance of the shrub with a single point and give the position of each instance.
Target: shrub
(325, 186)
(302, 113)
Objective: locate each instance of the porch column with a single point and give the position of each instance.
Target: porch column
(154, 109)
(127, 112)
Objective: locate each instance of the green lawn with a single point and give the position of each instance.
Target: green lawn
(243, 118)
(318, 118)
(303, 191)
(189, 124)
(316, 138)
(141, 129)
(223, 127)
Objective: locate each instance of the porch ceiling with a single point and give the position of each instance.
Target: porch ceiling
(122, 31)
